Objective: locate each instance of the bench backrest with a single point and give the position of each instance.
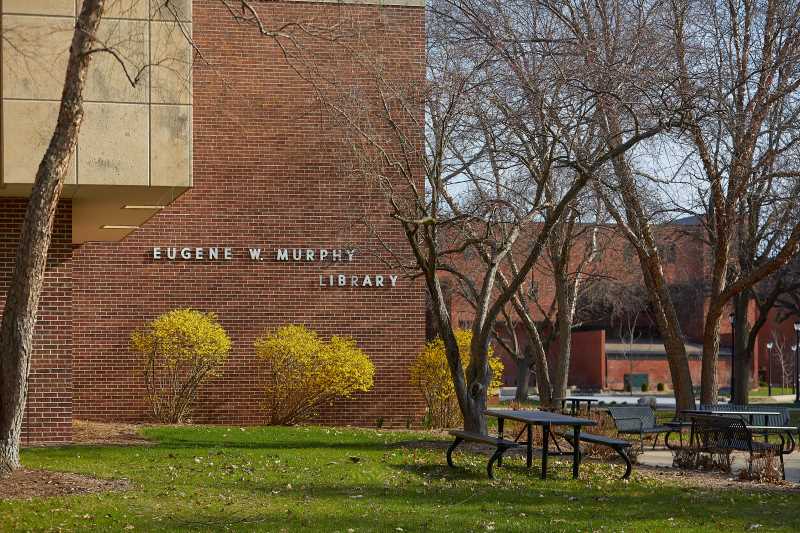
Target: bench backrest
(758, 420)
(715, 433)
(633, 418)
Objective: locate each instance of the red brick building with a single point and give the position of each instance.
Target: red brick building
(268, 171)
(604, 349)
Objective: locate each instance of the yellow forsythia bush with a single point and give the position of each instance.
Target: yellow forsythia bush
(430, 373)
(304, 372)
(180, 350)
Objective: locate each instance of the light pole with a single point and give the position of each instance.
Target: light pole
(769, 368)
(797, 363)
(732, 318)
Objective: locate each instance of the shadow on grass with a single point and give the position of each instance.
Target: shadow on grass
(464, 506)
(283, 444)
(421, 444)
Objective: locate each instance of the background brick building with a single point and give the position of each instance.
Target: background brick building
(605, 349)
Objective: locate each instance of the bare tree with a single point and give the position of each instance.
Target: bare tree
(22, 299)
(737, 63)
(783, 362)
(628, 70)
(510, 142)
(572, 249)
(755, 246)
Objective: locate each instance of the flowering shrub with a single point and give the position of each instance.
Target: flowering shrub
(180, 350)
(430, 373)
(304, 372)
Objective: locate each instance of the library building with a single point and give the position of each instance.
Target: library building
(207, 176)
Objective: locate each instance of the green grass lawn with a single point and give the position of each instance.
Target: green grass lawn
(762, 391)
(319, 479)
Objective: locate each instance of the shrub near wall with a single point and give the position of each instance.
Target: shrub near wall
(306, 372)
(430, 373)
(180, 350)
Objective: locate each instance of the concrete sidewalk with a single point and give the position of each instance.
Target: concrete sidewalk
(663, 458)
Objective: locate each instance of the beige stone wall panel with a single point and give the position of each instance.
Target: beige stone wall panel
(40, 7)
(171, 10)
(110, 81)
(35, 53)
(171, 145)
(27, 128)
(113, 147)
(171, 70)
(122, 9)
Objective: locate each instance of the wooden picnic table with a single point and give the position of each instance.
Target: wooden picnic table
(545, 419)
(575, 403)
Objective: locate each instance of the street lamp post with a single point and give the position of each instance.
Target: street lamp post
(769, 368)
(797, 363)
(732, 318)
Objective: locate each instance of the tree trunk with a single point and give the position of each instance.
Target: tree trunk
(478, 378)
(564, 316)
(474, 419)
(22, 299)
(708, 377)
(542, 368)
(442, 314)
(671, 335)
(524, 374)
(537, 350)
(743, 357)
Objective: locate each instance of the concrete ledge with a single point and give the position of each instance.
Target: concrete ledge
(130, 12)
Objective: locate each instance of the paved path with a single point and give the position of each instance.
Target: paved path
(664, 458)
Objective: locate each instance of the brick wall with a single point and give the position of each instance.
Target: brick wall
(267, 173)
(588, 359)
(48, 413)
(657, 370)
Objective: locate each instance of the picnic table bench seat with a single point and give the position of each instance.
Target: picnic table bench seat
(501, 446)
(722, 434)
(775, 420)
(640, 420)
(618, 445)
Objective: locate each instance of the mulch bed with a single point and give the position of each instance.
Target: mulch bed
(711, 480)
(87, 432)
(25, 484)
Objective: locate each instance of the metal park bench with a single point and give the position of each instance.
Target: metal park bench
(618, 445)
(763, 420)
(640, 420)
(713, 433)
(501, 446)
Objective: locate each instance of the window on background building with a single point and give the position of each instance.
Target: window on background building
(533, 290)
(669, 252)
(627, 251)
